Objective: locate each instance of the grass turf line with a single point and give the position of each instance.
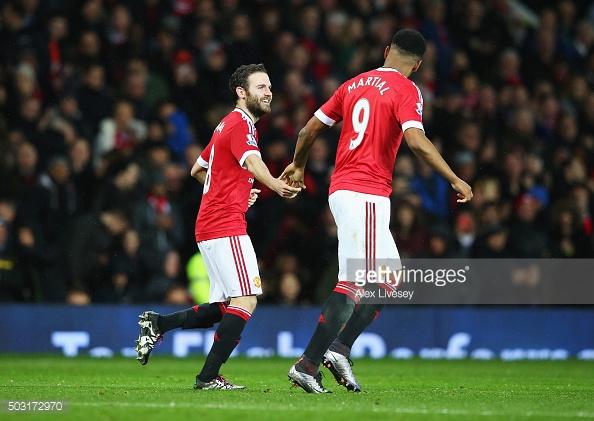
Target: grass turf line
(120, 388)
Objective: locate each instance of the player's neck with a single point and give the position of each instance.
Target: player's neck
(404, 69)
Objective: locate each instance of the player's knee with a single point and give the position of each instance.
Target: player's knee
(247, 302)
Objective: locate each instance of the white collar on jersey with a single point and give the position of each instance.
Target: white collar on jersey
(387, 69)
(244, 113)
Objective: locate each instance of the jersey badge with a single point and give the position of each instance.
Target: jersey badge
(420, 108)
(252, 140)
(257, 282)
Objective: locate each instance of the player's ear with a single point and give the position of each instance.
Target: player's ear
(417, 65)
(386, 52)
(240, 92)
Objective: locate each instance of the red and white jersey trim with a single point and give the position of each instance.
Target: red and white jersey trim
(324, 118)
(238, 311)
(245, 155)
(350, 290)
(242, 274)
(370, 241)
(412, 124)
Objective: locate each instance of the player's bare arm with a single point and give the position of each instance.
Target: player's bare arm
(293, 174)
(198, 172)
(256, 166)
(425, 150)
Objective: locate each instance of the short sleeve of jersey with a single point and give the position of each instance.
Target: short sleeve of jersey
(331, 112)
(410, 113)
(243, 141)
(204, 157)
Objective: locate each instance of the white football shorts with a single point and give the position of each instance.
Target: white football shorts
(232, 267)
(363, 222)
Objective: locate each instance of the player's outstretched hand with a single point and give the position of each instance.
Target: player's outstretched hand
(463, 189)
(293, 176)
(253, 196)
(285, 190)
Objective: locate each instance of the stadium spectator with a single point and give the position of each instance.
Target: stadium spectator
(528, 239)
(177, 128)
(465, 232)
(17, 34)
(69, 111)
(439, 243)
(120, 187)
(93, 98)
(43, 219)
(83, 175)
(241, 46)
(118, 35)
(133, 255)
(435, 29)
(155, 88)
(11, 287)
(409, 232)
(134, 91)
(121, 133)
(289, 289)
(169, 276)
(89, 50)
(434, 191)
(567, 238)
(52, 55)
(93, 237)
(121, 289)
(492, 243)
(158, 220)
(479, 33)
(22, 177)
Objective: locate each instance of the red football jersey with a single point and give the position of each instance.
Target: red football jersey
(377, 107)
(228, 183)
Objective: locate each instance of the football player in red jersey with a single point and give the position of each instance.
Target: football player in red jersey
(378, 108)
(227, 168)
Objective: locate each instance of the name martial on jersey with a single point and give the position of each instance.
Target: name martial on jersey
(374, 81)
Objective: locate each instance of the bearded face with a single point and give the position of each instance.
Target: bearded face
(257, 105)
(258, 96)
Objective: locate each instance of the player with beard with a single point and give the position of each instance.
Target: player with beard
(227, 168)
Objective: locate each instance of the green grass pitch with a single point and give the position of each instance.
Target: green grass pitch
(122, 389)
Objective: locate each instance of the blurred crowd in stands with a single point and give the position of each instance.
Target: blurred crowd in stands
(105, 106)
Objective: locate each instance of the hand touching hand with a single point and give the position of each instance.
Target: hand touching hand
(285, 190)
(293, 176)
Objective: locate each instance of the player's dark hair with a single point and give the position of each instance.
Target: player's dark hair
(240, 78)
(410, 42)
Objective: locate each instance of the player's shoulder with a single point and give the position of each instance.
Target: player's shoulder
(405, 85)
(233, 118)
(236, 120)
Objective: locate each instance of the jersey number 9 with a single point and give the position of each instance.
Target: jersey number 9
(360, 117)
